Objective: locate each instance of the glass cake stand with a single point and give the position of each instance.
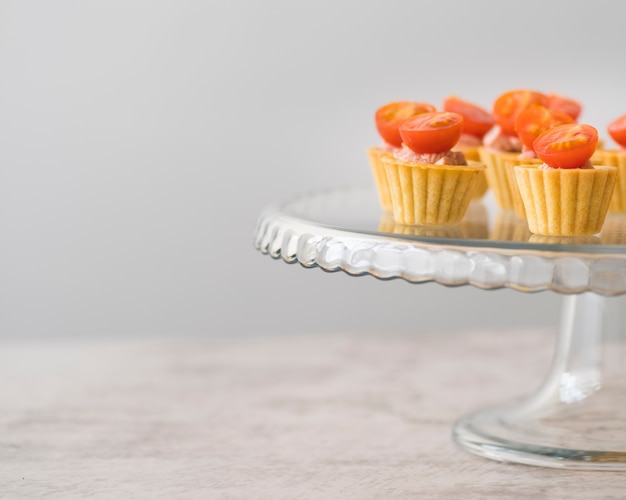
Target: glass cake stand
(577, 418)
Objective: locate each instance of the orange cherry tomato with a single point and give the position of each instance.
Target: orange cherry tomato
(537, 119)
(565, 105)
(617, 130)
(510, 104)
(433, 132)
(392, 115)
(476, 120)
(566, 146)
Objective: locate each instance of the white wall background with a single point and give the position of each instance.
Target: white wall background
(140, 140)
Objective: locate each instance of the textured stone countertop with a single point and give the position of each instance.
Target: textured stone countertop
(284, 417)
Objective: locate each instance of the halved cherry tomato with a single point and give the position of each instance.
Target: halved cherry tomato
(617, 130)
(432, 132)
(476, 120)
(537, 119)
(566, 146)
(510, 104)
(392, 115)
(565, 105)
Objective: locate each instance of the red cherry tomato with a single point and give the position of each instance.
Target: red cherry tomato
(566, 146)
(565, 105)
(510, 104)
(617, 130)
(476, 120)
(537, 119)
(392, 115)
(432, 132)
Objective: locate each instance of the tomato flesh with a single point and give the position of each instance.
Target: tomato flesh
(537, 119)
(565, 105)
(476, 120)
(435, 132)
(509, 105)
(617, 130)
(390, 116)
(566, 146)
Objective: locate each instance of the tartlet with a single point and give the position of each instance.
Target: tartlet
(388, 118)
(567, 195)
(430, 184)
(529, 124)
(502, 146)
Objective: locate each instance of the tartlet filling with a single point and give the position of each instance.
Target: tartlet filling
(585, 166)
(469, 141)
(405, 154)
(497, 141)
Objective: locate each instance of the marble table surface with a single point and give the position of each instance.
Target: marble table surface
(282, 417)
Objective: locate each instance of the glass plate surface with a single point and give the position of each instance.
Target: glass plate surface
(345, 229)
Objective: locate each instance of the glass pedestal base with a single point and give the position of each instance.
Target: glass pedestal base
(577, 418)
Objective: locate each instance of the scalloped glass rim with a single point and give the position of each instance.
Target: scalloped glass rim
(338, 230)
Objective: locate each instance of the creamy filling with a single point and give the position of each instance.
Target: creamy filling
(527, 153)
(585, 166)
(406, 154)
(497, 141)
(468, 141)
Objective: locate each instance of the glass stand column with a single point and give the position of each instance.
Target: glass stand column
(577, 418)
